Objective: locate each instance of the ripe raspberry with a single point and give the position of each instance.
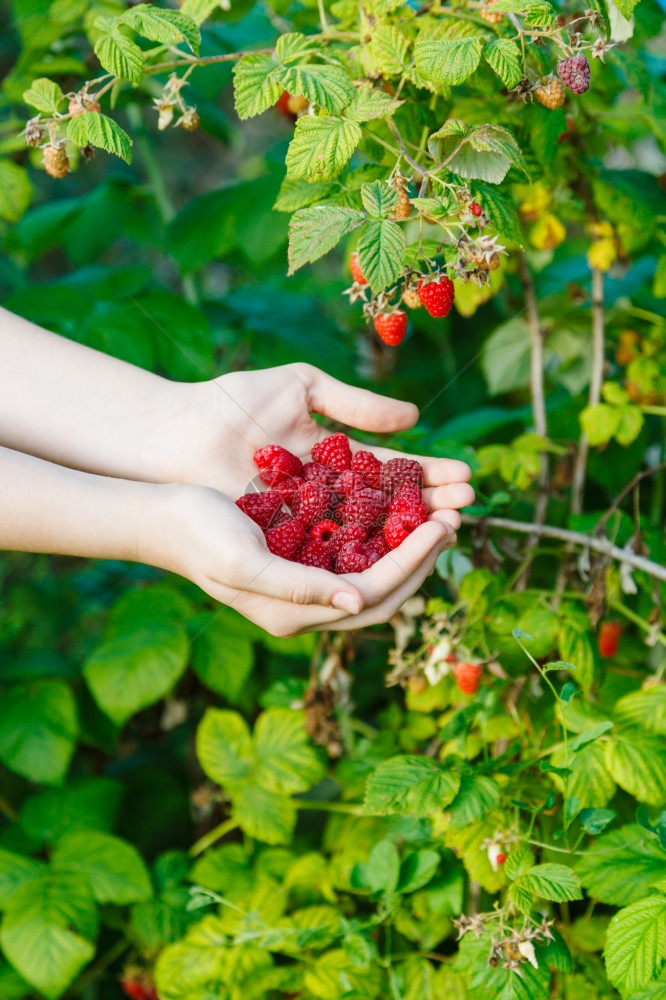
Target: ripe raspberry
(319, 473)
(398, 526)
(311, 502)
(287, 487)
(261, 507)
(377, 542)
(55, 160)
(397, 471)
(355, 557)
(363, 507)
(575, 73)
(315, 554)
(347, 533)
(365, 463)
(476, 209)
(500, 858)
(411, 298)
(138, 984)
(608, 639)
(323, 531)
(356, 272)
(333, 452)
(468, 677)
(437, 295)
(349, 482)
(286, 539)
(550, 93)
(392, 327)
(276, 464)
(408, 499)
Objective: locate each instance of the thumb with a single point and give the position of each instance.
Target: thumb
(269, 575)
(357, 407)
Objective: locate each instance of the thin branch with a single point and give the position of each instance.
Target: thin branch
(602, 545)
(580, 466)
(628, 488)
(403, 149)
(205, 60)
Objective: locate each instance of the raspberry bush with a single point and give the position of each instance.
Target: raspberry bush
(467, 804)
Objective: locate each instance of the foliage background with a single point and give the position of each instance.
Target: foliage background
(177, 263)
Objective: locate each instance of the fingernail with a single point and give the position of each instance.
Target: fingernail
(344, 601)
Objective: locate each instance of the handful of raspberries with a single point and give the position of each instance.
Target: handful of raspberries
(339, 512)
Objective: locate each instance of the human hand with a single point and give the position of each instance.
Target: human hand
(201, 534)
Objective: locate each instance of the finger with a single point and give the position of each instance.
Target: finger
(436, 471)
(357, 407)
(454, 495)
(447, 516)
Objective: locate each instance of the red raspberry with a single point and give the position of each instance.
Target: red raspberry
(319, 473)
(355, 557)
(476, 209)
(468, 677)
(398, 526)
(408, 499)
(356, 272)
(365, 463)
(363, 507)
(608, 639)
(333, 452)
(276, 464)
(311, 503)
(261, 507)
(500, 859)
(315, 554)
(288, 487)
(575, 73)
(286, 539)
(349, 482)
(377, 542)
(397, 471)
(392, 327)
(324, 531)
(347, 533)
(437, 295)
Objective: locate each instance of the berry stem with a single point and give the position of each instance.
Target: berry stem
(596, 380)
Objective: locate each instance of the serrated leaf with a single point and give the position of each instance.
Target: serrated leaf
(159, 25)
(450, 61)
(477, 796)
(199, 10)
(95, 129)
(381, 871)
(44, 94)
(576, 648)
(119, 55)
(286, 762)
(379, 199)
(266, 815)
(589, 735)
(315, 231)
(645, 708)
(224, 746)
(417, 869)
(637, 762)
(622, 866)
(328, 87)
(223, 655)
(503, 56)
(370, 103)
(589, 780)
(554, 882)
(594, 821)
(321, 147)
(483, 152)
(294, 45)
(15, 869)
(408, 784)
(302, 194)
(626, 7)
(600, 422)
(636, 944)
(519, 861)
(114, 868)
(500, 210)
(385, 54)
(38, 730)
(381, 252)
(256, 84)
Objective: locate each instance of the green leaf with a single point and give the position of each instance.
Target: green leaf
(576, 648)
(600, 422)
(554, 882)
(631, 424)
(503, 56)
(379, 199)
(594, 821)
(45, 95)
(449, 61)
(223, 654)
(227, 870)
(417, 869)
(409, 784)
(659, 286)
(302, 194)
(637, 762)
(622, 866)
(15, 191)
(381, 252)
(645, 708)
(168, 26)
(38, 730)
(380, 873)
(321, 147)
(224, 746)
(589, 780)
(46, 929)
(88, 803)
(636, 944)
(385, 54)
(286, 762)
(313, 232)
(199, 10)
(95, 129)
(256, 84)
(328, 87)
(15, 869)
(500, 210)
(477, 796)
(293, 45)
(626, 7)
(590, 735)
(119, 55)
(115, 869)
(505, 358)
(518, 862)
(369, 103)
(268, 816)
(143, 653)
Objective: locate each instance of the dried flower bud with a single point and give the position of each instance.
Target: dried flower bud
(189, 121)
(164, 107)
(34, 132)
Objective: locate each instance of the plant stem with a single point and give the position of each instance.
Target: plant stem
(636, 619)
(602, 545)
(322, 15)
(209, 838)
(204, 60)
(580, 466)
(314, 805)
